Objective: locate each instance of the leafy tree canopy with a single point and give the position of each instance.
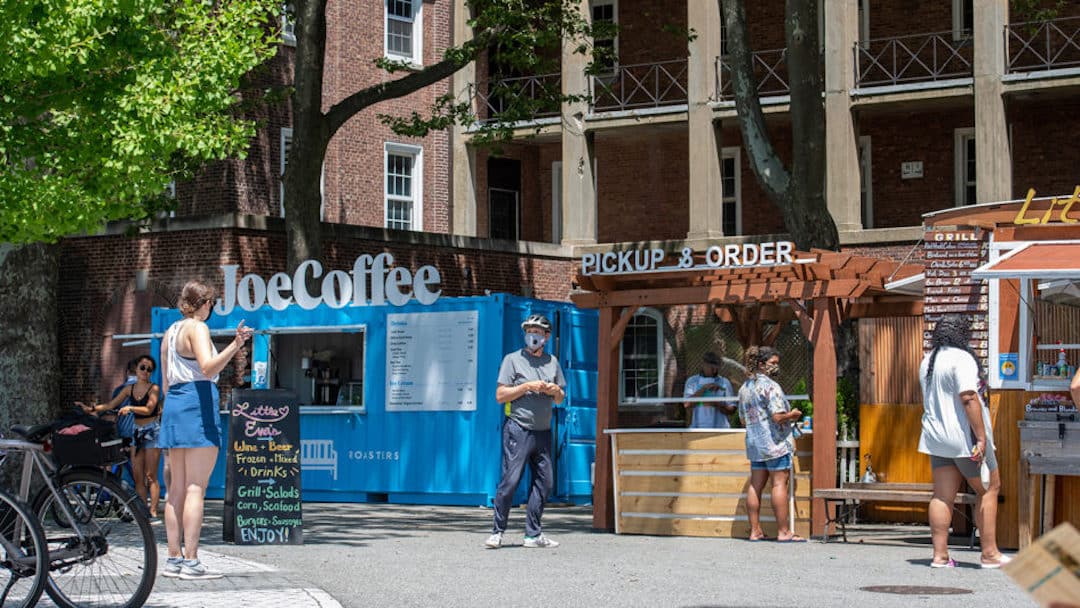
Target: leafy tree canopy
(103, 102)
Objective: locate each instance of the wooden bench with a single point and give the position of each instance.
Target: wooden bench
(846, 500)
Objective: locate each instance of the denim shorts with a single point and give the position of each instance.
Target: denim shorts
(146, 436)
(782, 463)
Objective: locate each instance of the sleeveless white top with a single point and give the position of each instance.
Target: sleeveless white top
(181, 369)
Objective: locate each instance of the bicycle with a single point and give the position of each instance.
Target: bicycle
(100, 544)
(24, 555)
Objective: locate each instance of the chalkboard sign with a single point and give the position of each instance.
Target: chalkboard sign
(262, 479)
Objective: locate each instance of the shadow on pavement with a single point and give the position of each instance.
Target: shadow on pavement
(357, 524)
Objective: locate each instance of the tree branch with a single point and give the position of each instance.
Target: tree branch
(767, 166)
(345, 109)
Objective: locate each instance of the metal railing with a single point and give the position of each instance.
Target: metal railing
(912, 59)
(1042, 45)
(643, 85)
(770, 74)
(495, 96)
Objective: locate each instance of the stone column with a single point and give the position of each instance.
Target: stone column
(993, 162)
(841, 140)
(579, 207)
(706, 185)
(462, 156)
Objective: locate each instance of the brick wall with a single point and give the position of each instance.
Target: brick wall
(1046, 159)
(926, 136)
(889, 19)
(98, 296)
(354, 166)
(642, 185)
(650, 31)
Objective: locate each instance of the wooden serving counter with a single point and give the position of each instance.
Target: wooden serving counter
(693, 482)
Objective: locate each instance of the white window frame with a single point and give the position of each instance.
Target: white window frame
(614, 41)
(288, 26)
(283, 161)
(960, 138)
(659, 318)
(866, 178)
(170, 192)
(734, 153)
(417, 152)
(417, 58)
(556, 202)
(959, 33)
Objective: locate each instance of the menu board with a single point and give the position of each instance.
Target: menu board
(950, 288)
(262, 476)
(431, 361)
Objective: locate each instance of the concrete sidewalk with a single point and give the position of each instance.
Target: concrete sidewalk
(394, 555)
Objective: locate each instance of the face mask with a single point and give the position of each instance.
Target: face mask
(209, 314)
(772, 369)
(534, 341)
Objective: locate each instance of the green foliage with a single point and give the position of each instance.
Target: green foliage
(847, 405)
(523, 38)
(1037, 10)
(103, 102)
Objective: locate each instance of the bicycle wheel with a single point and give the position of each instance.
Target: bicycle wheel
(104, 554)
(24, 557)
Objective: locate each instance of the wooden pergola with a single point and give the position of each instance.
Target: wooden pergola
(820, 289)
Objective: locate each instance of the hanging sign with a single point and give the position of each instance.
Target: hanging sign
(726, 256)
(338, 288)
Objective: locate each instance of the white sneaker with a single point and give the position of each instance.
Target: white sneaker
(540, 542)
(494, 541)
(194, 570)
(172, 567)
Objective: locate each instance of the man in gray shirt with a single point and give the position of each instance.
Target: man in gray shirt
(530, 382)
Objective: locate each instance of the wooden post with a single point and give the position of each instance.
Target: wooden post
(1026, 497)
(1048, 498)
(607, 395)
(824, 469)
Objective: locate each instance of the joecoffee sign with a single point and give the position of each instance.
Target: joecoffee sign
(373, 280)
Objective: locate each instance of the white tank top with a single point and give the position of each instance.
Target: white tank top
(181, 369)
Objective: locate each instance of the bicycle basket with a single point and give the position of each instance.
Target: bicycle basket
(79, 444)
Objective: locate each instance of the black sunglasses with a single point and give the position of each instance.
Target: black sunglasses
(144, 368)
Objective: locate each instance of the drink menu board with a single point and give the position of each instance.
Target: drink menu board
(950, 288)
(431, 361)
(262, 478)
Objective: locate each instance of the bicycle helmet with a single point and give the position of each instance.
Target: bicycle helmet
(537, 321)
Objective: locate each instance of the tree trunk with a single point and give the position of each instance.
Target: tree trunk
(303, 172)
(29, 351)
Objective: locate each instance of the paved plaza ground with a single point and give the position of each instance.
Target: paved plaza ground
(365, 555)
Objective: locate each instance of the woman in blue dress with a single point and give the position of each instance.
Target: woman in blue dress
(190, 425)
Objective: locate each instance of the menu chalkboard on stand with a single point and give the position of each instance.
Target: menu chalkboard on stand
(262, 478)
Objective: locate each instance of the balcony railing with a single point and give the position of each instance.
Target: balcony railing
(643, 85)
(494, 97)
(770, 73)
(912, 59)
(1043, 45)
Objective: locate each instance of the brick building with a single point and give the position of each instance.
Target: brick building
(921, 98)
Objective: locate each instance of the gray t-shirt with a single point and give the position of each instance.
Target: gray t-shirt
(532, 410)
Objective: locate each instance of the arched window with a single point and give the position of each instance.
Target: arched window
(641, 370)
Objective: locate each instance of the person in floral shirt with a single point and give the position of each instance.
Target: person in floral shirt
(770, 441)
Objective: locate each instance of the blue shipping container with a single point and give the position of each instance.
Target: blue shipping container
(369, 454)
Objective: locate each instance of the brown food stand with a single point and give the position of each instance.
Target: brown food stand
(1032, 278)
(819, 288)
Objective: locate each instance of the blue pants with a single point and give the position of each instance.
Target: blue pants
(521, 447)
